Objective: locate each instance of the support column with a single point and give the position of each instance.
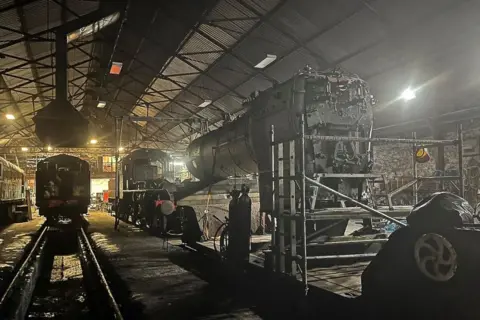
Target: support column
(61, 65)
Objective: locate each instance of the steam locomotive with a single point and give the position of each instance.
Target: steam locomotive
(62, 188)
(333, 103)
(145, 192)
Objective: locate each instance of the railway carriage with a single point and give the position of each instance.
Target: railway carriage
(62, 187)
(12, 189)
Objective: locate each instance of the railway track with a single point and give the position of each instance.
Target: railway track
(59, 278)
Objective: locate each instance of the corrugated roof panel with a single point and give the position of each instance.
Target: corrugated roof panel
(258, 83)
(158, 105)
(198, 43)
(285, 68)
(230, 9)
(163, 84)
(38, 12)
(209, 87)
(184, 79)
(141, 111)
(171, 93)
(235, 28)
(17, 50)
(189, 100)
(209, 113)
(348, 38)
(177, 66)
(263, 40)
(326, 14)
(229, 103)
(261, 6)
(10, 19)
(218, 34)
(400, 13)
(230, 71)
(199, 64)
(290, 21)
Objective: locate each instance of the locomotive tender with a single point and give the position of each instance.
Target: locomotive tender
(62, 187)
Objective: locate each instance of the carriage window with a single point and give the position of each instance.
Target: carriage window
(108, 164)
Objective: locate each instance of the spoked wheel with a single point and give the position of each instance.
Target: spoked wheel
(436, 257)
(224, 242)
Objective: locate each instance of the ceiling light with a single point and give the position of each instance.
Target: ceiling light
(121, 149)
(49, 148)
(10, 116)
(116, 68)
(205, 103)
(101, 104)
(24, 149)
(93, 141)
(265, 62)
(408, 94)
(178, 163)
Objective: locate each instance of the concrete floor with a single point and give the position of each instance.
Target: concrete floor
(158, 286)
(13, 240)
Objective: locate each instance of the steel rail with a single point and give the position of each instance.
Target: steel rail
(103, 280)
(24, 265)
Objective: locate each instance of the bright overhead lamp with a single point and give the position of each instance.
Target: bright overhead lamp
(408, 94)
(93, 141)
(49, 148)
(178, 163)
(121, 149)
(101, 104)
(116, 68)
(10, 116)
(205, 103)
(265, 62)
(24, 149)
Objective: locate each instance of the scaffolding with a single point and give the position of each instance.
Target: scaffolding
(292, 259)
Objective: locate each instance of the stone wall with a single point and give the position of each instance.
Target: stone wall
(396, 160)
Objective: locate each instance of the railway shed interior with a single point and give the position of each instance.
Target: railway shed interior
(325, 154)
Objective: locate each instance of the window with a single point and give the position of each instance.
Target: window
(108, 164)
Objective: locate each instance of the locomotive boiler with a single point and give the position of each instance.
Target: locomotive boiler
(62, 187)
(333, 103)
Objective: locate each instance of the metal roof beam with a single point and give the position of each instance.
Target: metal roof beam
(28, 48)
(240, 40)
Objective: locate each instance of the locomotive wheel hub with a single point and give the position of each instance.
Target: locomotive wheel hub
(435, 257)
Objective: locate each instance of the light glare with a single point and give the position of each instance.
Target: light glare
(205, 103)
(93, 141)
(24, 149)
(10, 116)
(408, 94)
(265, 62)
